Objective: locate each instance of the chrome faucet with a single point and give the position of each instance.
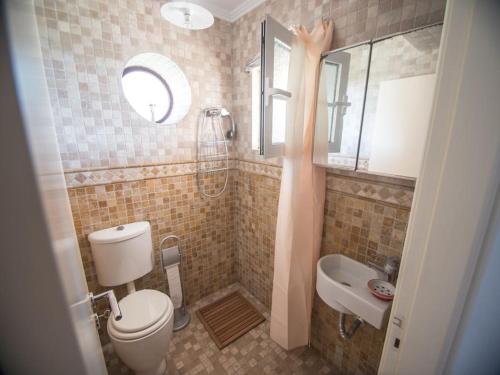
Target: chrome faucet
(390, 268)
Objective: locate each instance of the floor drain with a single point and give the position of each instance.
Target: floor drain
(344, 283)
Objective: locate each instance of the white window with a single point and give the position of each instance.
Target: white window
(275, 51)
(147, 93)
(156, 88)
(255, 72)
(336, 71)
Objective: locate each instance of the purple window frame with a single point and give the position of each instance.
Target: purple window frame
(138, 68)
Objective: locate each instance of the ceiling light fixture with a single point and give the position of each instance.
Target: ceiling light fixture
(187, 15)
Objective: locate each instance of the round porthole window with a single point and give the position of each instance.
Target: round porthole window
(156, 88)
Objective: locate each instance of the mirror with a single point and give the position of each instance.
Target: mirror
(398, 102)
(156, 88)
(377, 123)
(340, 106)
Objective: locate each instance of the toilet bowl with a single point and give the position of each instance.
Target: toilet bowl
(142, 336)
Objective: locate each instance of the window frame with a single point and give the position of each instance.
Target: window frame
(139, 68)
(255, 74)
(342, 61)
(270, 30)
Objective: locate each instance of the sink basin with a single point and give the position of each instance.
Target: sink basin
(342, 284)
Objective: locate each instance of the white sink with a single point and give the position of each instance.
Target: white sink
(342, 284)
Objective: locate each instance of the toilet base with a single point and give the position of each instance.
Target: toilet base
(160, 370)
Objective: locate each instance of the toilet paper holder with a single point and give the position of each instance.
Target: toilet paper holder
(167, 258)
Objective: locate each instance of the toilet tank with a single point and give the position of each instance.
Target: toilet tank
(123, 253)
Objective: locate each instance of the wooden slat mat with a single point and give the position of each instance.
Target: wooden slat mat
(229, 318)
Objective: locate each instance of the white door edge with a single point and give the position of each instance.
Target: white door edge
(453, 197)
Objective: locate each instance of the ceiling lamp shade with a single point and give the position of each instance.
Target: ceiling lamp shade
(187, 15)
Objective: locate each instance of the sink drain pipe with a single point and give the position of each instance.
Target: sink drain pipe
(346, 335)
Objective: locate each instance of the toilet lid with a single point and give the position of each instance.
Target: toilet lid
(141, 310)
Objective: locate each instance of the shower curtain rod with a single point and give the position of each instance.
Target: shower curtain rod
(380, 39)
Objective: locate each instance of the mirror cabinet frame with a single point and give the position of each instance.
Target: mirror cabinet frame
(371, 44)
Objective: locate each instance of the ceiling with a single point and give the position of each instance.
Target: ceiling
(228, 10)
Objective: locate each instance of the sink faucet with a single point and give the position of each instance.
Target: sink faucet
(390, 268)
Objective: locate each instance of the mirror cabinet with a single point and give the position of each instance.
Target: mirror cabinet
(374, 103)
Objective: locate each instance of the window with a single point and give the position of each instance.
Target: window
(255, 72)
(275, 62)
(280, 81)
(336, 71)
(341, 88)
(331, 70)
(147, 93)
(156, 88)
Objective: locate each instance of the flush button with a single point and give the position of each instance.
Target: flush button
(121, 227)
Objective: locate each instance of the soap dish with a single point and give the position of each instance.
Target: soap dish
(381, 289)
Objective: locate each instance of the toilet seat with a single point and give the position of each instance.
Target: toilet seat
(143, 312)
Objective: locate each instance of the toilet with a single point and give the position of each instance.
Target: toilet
(141, 337)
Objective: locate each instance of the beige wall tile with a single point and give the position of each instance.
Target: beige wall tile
(85, 46)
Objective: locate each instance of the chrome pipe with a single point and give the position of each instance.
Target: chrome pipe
(346, 335)
(111, 298)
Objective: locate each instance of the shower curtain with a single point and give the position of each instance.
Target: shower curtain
(300, 212)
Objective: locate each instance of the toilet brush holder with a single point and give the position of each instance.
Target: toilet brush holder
(172, 257)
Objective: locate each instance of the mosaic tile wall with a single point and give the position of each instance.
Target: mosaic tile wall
(257, 207)
(85, 46)
(360, 355)
(355, 21)
(366, 230)
(365, 220)
(173, 205)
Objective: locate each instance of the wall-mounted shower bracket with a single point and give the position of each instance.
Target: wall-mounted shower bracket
(223, 113)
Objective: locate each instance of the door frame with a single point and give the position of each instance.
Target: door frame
(454, 195)
(46, 320)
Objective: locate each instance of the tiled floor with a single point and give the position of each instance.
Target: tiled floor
(192, 351)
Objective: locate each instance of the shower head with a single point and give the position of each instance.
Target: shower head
(187, 15)
(217, 111)
(222, 112)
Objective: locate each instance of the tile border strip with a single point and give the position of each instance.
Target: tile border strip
(76, 179)
(383, 191)
(397, 195)
(380, 188)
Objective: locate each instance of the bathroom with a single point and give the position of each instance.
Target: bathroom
(215, 181)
